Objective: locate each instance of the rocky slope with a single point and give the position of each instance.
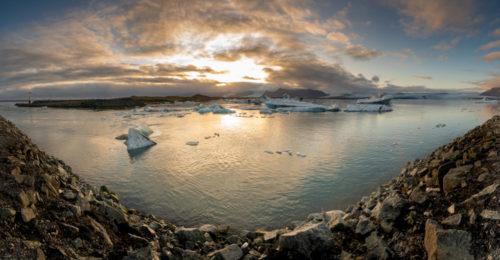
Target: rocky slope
(445, 206)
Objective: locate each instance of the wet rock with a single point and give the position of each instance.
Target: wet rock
(490, 214)
(114, 214)
(189, 236)
(307, 240)
(230, 252)
(336, 219)
(455, 177)
(69, 195)
(211, 229)
(27, 214)
(418, 197)
(389, 209)
(446, 244)
(272, 235)
(364, 226)
(145, 253)
(453, 220)
(146, 231)
(7, 214)
(377, 247)
(233, 239)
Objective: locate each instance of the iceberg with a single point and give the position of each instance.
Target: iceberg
(136, 140)
(266, 111)
(311, 108)
(193, 143)
(301, 155)
(269, 152)
(215, 109)
(145, 130)
(367, 108)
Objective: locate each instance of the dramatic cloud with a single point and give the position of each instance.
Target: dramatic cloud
(489, 46)
(422, 77)
(492, 82)
(422, 18)
(492, 56)
(357, 52)
(446, 46)
(338, 37)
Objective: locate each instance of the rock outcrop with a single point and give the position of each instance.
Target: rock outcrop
(445, 206)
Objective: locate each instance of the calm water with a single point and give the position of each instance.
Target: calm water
(230, 179)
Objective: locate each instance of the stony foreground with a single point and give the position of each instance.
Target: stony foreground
(445, 206)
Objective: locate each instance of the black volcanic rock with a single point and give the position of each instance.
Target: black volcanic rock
(494, 92)
(300, 93)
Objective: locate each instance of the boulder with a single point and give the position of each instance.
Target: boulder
(455, 177)
(307, 240)
(114, 214)
(208, 228)
(101, 231)
(490, 214)
(189, 236)
(446, 244)
(336, 219)
(377, 247)
(453, 220)
(230, 252)
(364, 226)
(27, 214)
(389, 209)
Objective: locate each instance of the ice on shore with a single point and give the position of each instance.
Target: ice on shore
(145, 130)
(137, 140)
(192, 143)
(367, 108)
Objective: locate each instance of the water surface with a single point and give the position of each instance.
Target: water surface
(230, 179)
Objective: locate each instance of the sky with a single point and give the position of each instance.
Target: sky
(77, 48)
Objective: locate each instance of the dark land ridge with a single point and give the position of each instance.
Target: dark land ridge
(113, 103)
(445, 206)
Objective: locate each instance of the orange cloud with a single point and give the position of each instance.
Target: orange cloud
(490, 45)
(492, 56)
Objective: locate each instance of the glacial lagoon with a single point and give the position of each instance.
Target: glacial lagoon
(228, 177)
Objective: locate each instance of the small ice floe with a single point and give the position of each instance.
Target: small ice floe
(311, 108)
(180, 115)
(269, 152)
(395, 143)
(207, 137)
(145, 130)
(216, 134)
(440, 125)
(367, 108)
(103, 118)
(266, 111)
(301, 155)
(122, 137)
(215, 109)
(192, 143)
(137, 140)
(288, 151)
(278, 152)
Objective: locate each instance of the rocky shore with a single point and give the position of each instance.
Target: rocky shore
(445, 206)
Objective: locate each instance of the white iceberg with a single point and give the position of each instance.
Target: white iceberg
(293, 105)
(137, 140)
(192, 143)
(367, 108)
(145, 130)
(215, 108)
(311, 108)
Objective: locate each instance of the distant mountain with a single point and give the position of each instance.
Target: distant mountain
(301, 93)
(494, 92)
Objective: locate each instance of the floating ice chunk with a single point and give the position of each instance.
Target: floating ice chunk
(122, 137)
(301, 155)
(269, 152)
(367, 108)
(137, 140)
(278, 152)
(145, 130)
(216, 134)
(440, 125)
(266, 111)
(193, 143)
(180, 115)
(207, 137)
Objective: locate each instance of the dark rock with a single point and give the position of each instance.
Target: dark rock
(377, 247)
(453, 220)
(307, 240)
(7, 214)
(208, 228)
(455, 177)
(230, 252)
(446, 244)
(364, 226)
(189, 236)
(145, 253)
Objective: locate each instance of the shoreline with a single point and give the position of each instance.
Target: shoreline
(453, 193)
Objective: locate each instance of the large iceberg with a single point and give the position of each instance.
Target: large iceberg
(136, 140)
(293, 105)
(367, 108)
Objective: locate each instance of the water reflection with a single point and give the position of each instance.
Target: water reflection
(229, 178)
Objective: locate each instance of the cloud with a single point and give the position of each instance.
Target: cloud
(496, 33)
(375, 79)
(422, 18)
(338, 37)
(489, 83)
(492, 56)
(422, 77)
(446, 46)
(358, 52)
(490, 45)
